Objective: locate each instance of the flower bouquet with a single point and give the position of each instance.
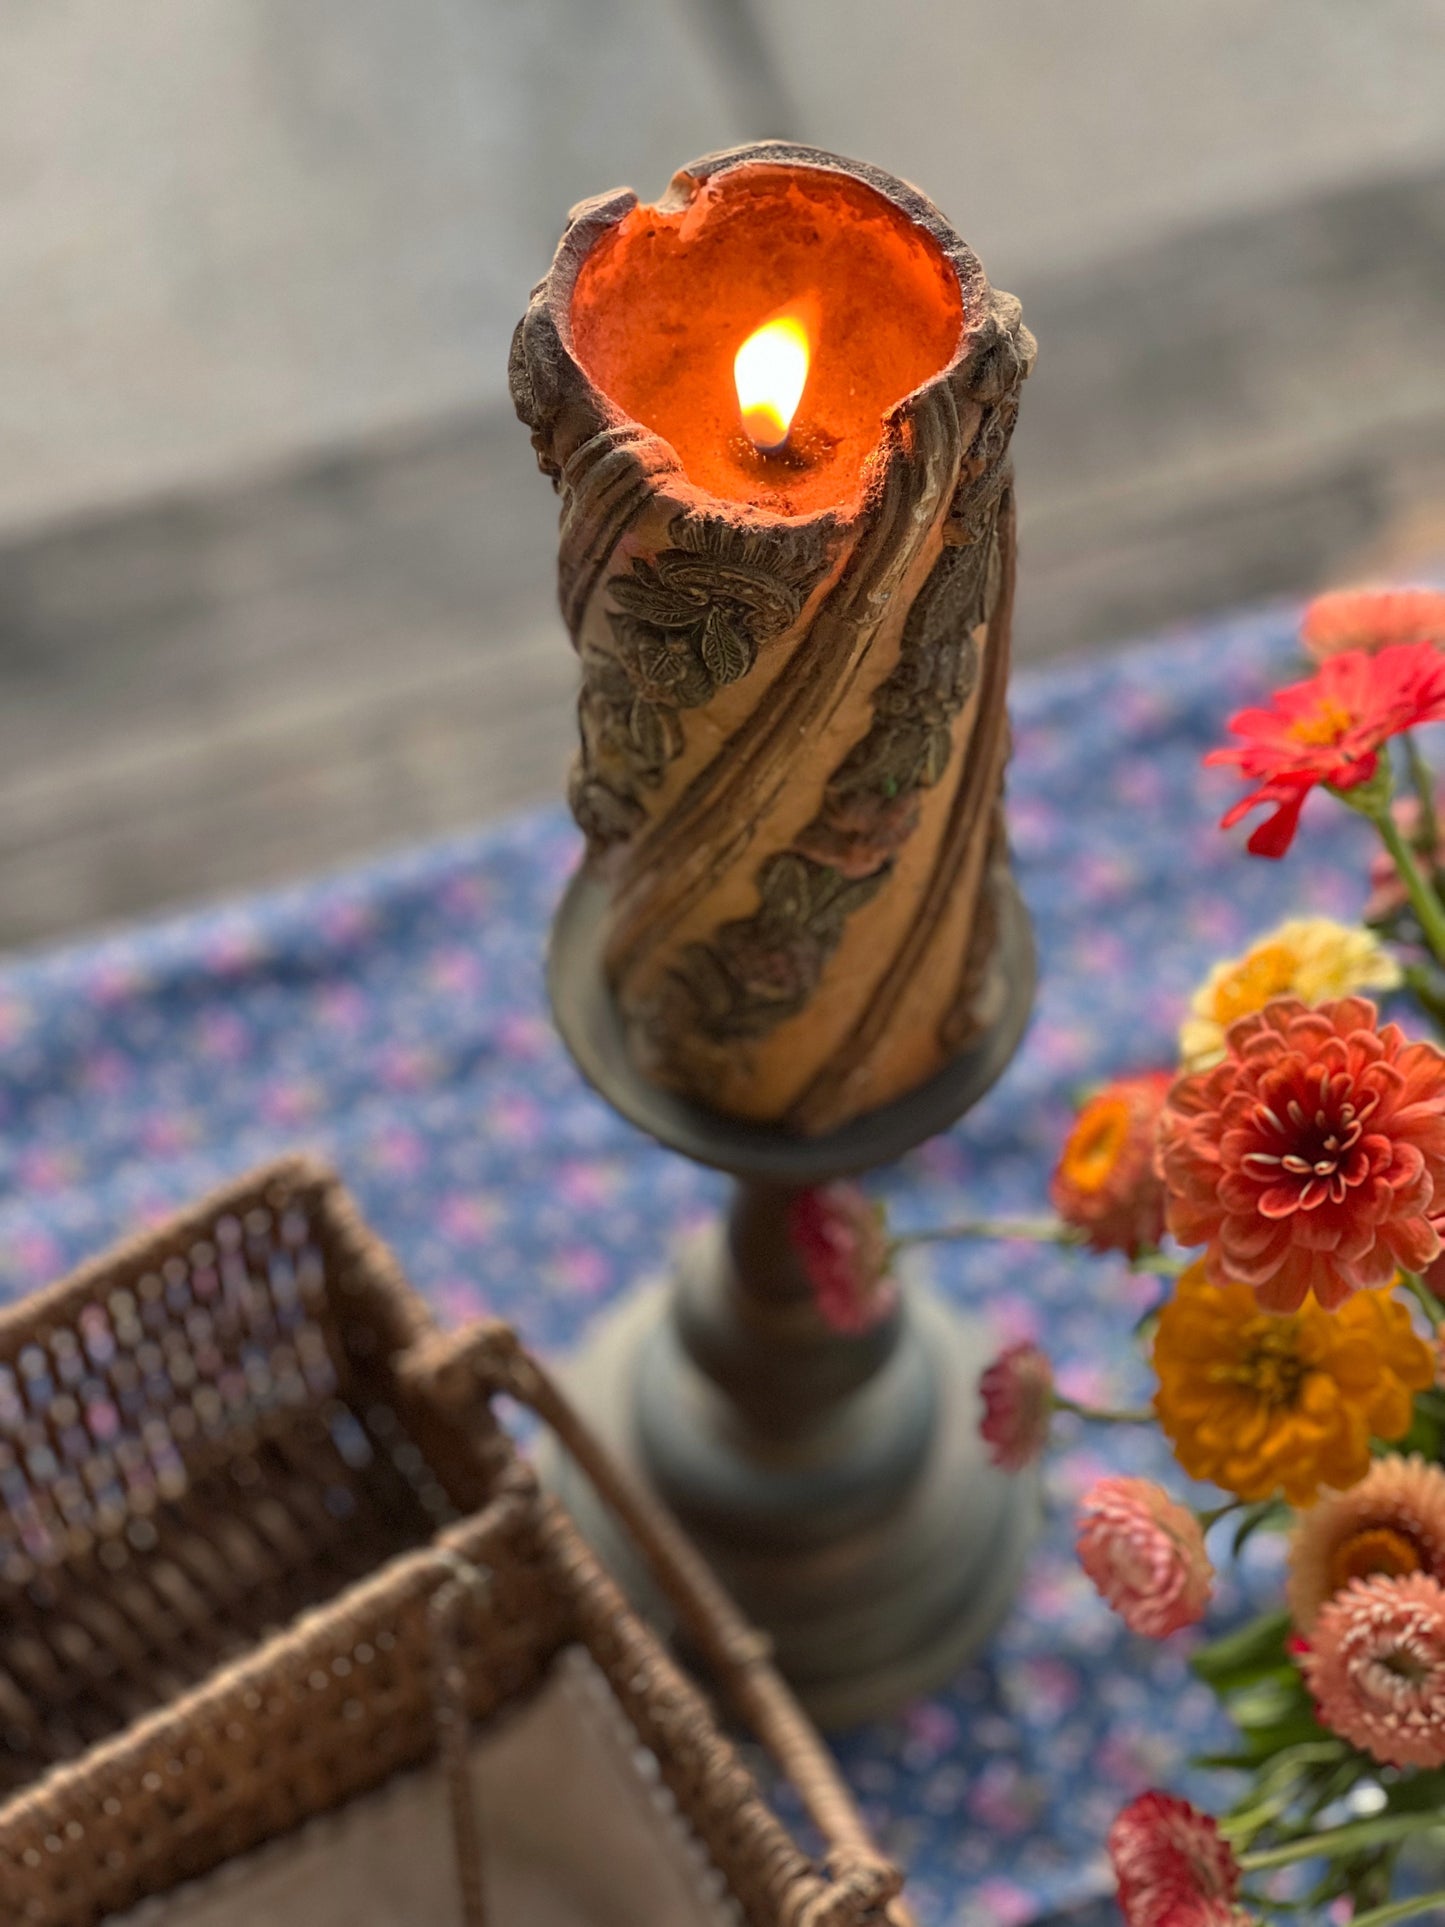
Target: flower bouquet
(1285, 1183)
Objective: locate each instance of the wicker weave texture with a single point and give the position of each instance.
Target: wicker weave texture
(231, 1495)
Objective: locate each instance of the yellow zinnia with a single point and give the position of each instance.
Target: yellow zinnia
(1262, 1404)
(1312, 958)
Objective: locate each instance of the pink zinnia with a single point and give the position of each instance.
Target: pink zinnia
(1146, 1555)
(1312, 1159)
(1172, 1866)
(842, 1244)
(1376, 1666)
(1017, 1391)
(1372, 619)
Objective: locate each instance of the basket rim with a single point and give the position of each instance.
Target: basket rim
(296, 1175)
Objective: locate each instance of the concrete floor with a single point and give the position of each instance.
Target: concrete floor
(275, 568)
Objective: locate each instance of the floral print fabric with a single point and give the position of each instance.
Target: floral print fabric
(394, 1019)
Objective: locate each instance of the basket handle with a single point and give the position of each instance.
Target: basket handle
(490, 1357)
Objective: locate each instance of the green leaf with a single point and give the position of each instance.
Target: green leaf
(1269, 1513)
(1410, 1908)
(1357, 1836)
(1241, 1655)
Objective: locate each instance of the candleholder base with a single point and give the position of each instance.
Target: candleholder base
(878, 1573)
(836, 1482)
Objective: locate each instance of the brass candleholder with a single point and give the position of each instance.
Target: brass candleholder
(794, 949)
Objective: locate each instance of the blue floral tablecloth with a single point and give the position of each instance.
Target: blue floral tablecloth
(393, 1018)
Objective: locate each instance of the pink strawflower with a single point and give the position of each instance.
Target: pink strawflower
(841, 1241)
(1376, 1666)
(1172, 1866)
(1017, 1391)
(1146, 1555)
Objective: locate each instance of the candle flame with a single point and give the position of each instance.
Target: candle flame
(770, 370)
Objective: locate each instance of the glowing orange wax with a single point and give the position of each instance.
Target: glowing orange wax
(665, 298)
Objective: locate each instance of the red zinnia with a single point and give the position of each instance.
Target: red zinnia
(1372, 619)
(841, 1241)
(1329, 729)
(1313, 1157)
(1172, 1865)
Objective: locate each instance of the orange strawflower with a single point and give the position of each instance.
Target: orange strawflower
(1312, 1159)
(1390, 1524)
(1372, 619)
(1260, 1405)
(1105, 1185)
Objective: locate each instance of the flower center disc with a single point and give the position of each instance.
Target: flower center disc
(1094, 1148)
(1329, 723)
(1374, 1550)
(1270, 1365)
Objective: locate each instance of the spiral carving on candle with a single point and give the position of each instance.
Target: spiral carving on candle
(792, 727)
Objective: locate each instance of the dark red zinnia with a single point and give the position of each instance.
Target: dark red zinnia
(1329, 729)
(1172, 1865)
(841, 1240)
(1312, 1159)
(1017, 1392)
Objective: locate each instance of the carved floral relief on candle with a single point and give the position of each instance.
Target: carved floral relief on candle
(794, 656)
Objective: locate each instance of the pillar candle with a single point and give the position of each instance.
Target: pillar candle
(794, 653)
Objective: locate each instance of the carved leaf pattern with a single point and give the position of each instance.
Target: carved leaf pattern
(727, 651)
(760, 970)
(685, 623)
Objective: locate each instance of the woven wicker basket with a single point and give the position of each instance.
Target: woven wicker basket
(246, 1483)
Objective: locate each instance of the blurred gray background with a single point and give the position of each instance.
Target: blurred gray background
(275, 565)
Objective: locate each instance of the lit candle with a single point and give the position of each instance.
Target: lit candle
(789, 589)
(770, 372)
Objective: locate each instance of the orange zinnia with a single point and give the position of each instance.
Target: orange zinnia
(1312, 1159)
(1105, 1185)
(1259, 1404)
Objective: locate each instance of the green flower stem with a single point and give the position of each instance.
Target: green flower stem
(1425, 1298)
(1427, 838)
(1101, 1414)
(1423, 900)
(1410, 1909)
(1157, 1264)
(1036, 1231)
(1213, 1516)
(1423, 985)
(1332, 1842)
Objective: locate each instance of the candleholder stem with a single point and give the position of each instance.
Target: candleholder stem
(836, 1481)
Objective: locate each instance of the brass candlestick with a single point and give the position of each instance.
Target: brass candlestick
(794, 949)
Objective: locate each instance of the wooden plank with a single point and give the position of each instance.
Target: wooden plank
(210, 693)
